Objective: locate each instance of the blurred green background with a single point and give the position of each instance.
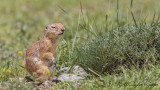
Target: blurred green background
(22, 22)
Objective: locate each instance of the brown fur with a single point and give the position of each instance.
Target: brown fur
(41, 56)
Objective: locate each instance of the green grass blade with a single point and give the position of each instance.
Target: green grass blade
(134, 19)
(153, 17)
(131, 3)
(94, 72)
(118, 14)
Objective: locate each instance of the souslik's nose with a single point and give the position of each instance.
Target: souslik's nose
(63, 30)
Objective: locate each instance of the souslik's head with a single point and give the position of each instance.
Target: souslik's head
(54, 30)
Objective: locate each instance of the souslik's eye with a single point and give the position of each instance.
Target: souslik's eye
(53, 27)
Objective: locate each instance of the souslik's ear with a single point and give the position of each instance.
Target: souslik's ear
(46, 28)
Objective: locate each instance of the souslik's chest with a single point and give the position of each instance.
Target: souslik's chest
(47, 54)
(47, 48)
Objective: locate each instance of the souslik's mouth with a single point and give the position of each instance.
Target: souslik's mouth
(61, 33)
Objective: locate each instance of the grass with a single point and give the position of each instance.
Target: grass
(124, 46)
(93, 30)
(140, 79)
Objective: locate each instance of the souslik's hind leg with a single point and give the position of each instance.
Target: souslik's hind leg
(42, 74)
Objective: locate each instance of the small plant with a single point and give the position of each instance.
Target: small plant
(138, 46)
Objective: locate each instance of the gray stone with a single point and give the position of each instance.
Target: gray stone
(78, 73)
(69, 77)
(75, 70)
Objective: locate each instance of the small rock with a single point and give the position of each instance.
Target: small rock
(21, 79)
(79, 70)
(69, 77)
(78, 73)
(76, 70)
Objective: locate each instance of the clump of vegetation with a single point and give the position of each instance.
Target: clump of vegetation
(128, 46)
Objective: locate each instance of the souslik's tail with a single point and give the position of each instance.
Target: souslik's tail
(27, 77)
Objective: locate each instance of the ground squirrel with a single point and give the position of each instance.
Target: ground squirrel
(41, 56)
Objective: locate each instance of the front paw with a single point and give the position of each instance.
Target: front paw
(54, 65)
(52, 62)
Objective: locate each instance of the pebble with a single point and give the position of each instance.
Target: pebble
(76, 70)
(78, 74)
